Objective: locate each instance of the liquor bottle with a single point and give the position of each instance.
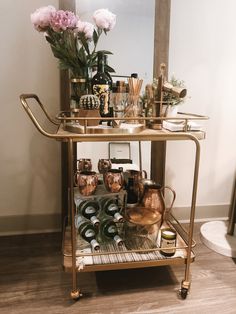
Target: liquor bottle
(134, 75)
(132, 196)
(105, 70)
(111, 109)
(108, 231)
(110, 208)
(101, 86)
(87, 231)
(89, 209)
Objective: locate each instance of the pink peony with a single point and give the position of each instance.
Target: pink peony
(62, 20)
(104, 19)
(86, 28)
(41, 17)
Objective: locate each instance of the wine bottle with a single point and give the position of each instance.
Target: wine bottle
(132, 196)
(87, 231)
(102, 86)
(109, 231)
(105, 70)
(109, 207)
(89, 209)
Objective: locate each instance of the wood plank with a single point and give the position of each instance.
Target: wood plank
(161, 54)
(32, 281)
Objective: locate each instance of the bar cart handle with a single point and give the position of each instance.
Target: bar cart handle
(23, 99)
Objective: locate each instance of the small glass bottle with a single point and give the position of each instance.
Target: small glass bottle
(89, 209)
(109, 231)
(87, 231)
(168, 240)
(109, 207)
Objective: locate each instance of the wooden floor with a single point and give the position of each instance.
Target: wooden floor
(32, 281)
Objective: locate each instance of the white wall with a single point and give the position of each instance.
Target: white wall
(131, 42)
(29, 163)
(202, 53)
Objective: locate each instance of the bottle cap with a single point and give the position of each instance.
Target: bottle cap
(95, 245)
(134, 75)
(118, 217)
(95, 221)
(118, 240)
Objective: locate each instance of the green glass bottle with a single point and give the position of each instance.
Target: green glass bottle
(89, 209)
(102, 87)
(87, 231)
(110, 208)
(109, 231)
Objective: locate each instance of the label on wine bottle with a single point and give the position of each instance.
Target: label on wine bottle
(111, 229)
(90, 210)
(78, 221)
(89, 233)
(103, 93)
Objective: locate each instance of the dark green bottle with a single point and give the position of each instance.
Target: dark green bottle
(89, 209)
(102, 86)
(87, 231)
(109, 231)
(110, 208)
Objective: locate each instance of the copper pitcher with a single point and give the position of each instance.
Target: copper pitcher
(153, 198)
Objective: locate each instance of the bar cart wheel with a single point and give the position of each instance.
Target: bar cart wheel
(75, 294)
(183, 292)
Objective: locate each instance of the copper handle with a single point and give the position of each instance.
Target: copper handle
(174, 196)
(145, 174)
(75, 178)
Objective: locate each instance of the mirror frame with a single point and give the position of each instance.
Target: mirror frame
(161, 53)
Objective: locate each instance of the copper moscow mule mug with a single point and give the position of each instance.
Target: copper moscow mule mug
(84, 164)
(104, 165)
(113, 180)
(87, 182)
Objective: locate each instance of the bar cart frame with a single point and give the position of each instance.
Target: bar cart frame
(187, 242)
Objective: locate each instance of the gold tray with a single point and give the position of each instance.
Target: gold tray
(124, 128)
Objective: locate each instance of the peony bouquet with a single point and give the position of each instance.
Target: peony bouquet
(72, 40)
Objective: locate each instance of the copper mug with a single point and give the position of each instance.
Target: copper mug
(87, 182)
(113, 180)
(84, 164)
(104, 165)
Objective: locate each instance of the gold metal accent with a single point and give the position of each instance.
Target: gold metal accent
(75, 294)
(145, 135)
(77, 128)
(78, 80)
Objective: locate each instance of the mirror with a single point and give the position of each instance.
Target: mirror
(132, 43)
(131, 40)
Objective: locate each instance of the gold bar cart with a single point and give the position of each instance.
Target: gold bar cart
(135, 258)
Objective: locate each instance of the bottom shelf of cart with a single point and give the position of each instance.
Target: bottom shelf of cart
(111, 257)
(67, 264)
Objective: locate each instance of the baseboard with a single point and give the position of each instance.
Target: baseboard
(202, 213)
(28, 224)
(43, 223)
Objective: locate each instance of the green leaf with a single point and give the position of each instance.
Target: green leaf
(49, 39)
(106, 52)
(95, 37)
(109, 69)
(85, 44)
(82, 55)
